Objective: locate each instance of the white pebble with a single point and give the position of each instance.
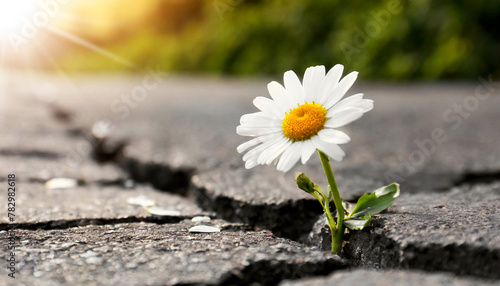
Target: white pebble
(200, 219)
(204, 228)
(154, 210)
(141, 201)
(61, 183)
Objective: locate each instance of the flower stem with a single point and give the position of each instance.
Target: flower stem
(338, 231)
(325, 203)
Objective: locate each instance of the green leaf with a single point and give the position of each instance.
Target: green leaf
(348, 207)
(375, 202)
(358, 224)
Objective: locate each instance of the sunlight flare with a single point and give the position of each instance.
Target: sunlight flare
(12, 14)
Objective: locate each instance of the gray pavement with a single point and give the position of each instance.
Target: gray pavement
(151, 254)
(181, 153)
(393, 277)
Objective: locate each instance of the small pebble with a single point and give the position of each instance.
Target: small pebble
(154, 210)
(131, 265)
(61, 183)
(89, 253)
(204, 228)
(141, 201)
(129, 184)
(199, 219)
(94, 260)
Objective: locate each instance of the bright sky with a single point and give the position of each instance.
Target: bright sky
(96, 17)
(27, 25)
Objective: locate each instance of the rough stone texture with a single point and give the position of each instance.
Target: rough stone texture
(149, 254)
(35, 169)
(320, 234)
(457, 232)
(81, 205)
(40, 142)
(394, 277)
(183, 132)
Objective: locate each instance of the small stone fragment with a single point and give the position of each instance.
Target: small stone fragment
(88, 254)
(129, 184)
(154, 210)
(94, 260)
(102, 129)
(61, 183)
(200, 219)
(141, 201)
(204, 228)
(131, 265)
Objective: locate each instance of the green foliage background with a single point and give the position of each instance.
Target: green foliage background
(424, 40)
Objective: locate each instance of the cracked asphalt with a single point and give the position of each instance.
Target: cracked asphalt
(440, 141)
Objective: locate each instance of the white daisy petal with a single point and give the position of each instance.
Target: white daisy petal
(365, 104)
(340, 89)
(344, 103)
(242, 147)
(250, 164)
(331, 150)
(352, 101)
(265, 156)
(277, 153)
(268, 106)
(344, 117)
(333, 136)
(255, 152)
(331, 81)
(293, 86)
(280, 96)
(290, 157)
(248, 130)
(260, 119)
(334, 74)
(307, 150)
(313, 83)
(249, 144)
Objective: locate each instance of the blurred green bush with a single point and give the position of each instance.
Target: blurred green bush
(386, 39)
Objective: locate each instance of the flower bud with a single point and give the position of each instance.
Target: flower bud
(304, 183)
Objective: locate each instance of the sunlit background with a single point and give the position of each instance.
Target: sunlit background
(387, 40)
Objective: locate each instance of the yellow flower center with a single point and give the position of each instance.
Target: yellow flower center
(304, 122)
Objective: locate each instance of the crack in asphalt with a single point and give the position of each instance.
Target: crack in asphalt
(469, 178)
(65, 223)
(164, 177)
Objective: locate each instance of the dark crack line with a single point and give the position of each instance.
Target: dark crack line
(274, 217)
(470, 178)
(161, 176)
(272, 272)
(32, 153)
(369, 248)
(64, 224)
(178, 181)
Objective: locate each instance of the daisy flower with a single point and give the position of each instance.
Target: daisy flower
(301, 118)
